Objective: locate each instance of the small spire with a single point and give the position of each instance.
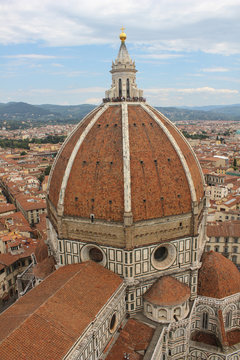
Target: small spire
(123, 36)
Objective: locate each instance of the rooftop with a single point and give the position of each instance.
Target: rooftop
(50, 318)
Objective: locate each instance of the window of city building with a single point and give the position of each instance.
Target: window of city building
(217, 239)
(235, 249)
(225, 249)
(234, 259)
(216, 248)
(235, 240)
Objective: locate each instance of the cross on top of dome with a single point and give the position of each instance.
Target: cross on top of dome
(123, 36)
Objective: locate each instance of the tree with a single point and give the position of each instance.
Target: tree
(41, 178)
(235, 164)
(47, 170)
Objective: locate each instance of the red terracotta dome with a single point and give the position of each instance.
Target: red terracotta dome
(125, 157)
(167, 291)
(218, 276)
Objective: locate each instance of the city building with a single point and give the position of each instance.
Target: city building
(224, 237)
(127, 227)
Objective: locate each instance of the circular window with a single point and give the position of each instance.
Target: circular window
(161, 253)
(94, 253)
(163, 256)
(113, 323)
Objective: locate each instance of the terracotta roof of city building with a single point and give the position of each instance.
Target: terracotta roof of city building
(4, 208)
(167, 291)
(49, 319)
(16, 222)
(218, 276)
(9, 259)
(225, 229)
(30, 202)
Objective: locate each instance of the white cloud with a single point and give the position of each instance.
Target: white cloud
(57, 65)
(30, 56)
(191, 96)
(215, 69)
(69, 91)
(184, 25)
(159, 56)
(206, 90)
(93, 101)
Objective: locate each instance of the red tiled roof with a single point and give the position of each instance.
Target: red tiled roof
(167, 291)
(159, 184)
(225, 229)
(9, 259)
(6, 208)
(41, 251)
(135, 336)
(44, 268)
(49, 319)
(100, 181)
(206, 338)
(61, 163)
(16, 222)
(233, 337)
(218, 277)
(30, 202)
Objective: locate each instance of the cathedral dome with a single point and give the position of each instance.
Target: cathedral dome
(167, 291)
(125, 158)
(218, 276)
(126, 163)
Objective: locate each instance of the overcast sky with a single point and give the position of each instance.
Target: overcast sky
(187, 52)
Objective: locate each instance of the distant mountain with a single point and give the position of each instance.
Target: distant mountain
(14, 115)
(66, 110)
(233, 110)
(15, 108)
(176, 114)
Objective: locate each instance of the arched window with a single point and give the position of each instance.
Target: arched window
(162, 314)
(128, 88)
(120, 87)
(205, 320)
(149, 309)
(228, 319)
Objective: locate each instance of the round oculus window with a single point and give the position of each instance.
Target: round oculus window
(94, 253)
(161, 253)
(163, 256)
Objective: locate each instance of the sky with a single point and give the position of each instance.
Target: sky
(187, 52)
